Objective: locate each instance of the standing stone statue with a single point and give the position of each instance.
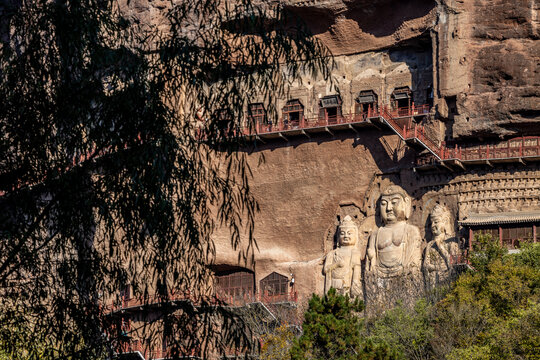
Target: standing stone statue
(395, 248)
(342, 266)
(440, 253)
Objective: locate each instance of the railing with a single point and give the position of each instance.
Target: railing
(303, 123)
(308, 123)
(134, 346)
(163, 352)
(395, 115)
(461, 258)
(413, 110)
(513, 148)
(516, 148)
(418, 132)
(220, 298)
(408, 130)
(137, 301)
(265, 297)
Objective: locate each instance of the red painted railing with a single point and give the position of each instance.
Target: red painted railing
(418, 132)
(160, 352)
(408, 130)
(137, 301)
(516, 148)
(236, 300)
(308, 123)
(513, 148)
(239, 300)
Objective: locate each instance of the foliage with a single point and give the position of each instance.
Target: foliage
(501, 286)
(332, 330)
(471, 353)
(276, 345)
(493, 313)
(104, 178)
(529, 255)
(489, 313)
(409, 331)
(485, 250)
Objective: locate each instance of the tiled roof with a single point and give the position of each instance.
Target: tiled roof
(501, 218)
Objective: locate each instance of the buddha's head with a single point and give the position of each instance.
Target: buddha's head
(441, 221)
(395, 205)
(347, 232)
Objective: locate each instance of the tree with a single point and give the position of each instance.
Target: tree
(331, 330)
(488, 313)
(485, 251)
(277, 344)
(409, 331)
(492, 312)
(104, 177)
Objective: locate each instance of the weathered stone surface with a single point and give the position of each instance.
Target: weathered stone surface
(349, 27)
(488, 71)
(486, 78)
(299, 186)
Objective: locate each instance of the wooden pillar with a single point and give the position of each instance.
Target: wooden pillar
(470, 238)
(534, 233)
(500, 236)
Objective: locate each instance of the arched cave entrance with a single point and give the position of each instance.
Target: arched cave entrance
(274, 286)
(234, 284)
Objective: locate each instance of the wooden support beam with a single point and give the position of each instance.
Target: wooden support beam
(306, 134)
(458, 163)
(258, 138)
(353, 129)
(328, 130)
(282, 136)
(446, 166)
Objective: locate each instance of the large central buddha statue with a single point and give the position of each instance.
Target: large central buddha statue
(395, 248)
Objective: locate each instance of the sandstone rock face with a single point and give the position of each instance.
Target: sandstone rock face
(476, 61)
(489, 69)
(301, 186)
(486, 78)
(486, 53)
(349, 27)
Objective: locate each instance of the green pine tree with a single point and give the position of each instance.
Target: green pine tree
(332, 329)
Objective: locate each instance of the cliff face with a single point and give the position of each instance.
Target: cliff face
(485, 53)
(349, 27)
(499, 92)
(475, 61)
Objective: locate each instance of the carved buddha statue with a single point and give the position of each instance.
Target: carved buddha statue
(395, 248)
(342, 266)
(440, 253)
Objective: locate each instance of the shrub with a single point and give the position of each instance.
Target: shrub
(332, 329)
